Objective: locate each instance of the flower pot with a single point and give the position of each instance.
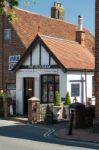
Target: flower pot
(66, 112)
(57, 113)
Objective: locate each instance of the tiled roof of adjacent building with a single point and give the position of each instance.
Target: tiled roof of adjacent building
(26, 26)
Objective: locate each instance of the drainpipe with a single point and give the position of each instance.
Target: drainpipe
(86, 86)
(3, 17)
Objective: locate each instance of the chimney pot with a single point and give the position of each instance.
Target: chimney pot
(80, 23)
(80, 33)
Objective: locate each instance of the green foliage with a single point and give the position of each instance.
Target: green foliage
(3, 94)
(12, 3)
(67, 99)
(12, 16)
(57, 100)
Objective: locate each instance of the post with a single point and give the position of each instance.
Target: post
(5, 107)
(71, 122)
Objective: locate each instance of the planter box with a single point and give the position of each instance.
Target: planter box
(57, 113)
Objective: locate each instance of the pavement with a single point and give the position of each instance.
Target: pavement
(86, 135)
(83, 135)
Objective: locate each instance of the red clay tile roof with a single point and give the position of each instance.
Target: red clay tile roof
(27, 24)
(70, 54)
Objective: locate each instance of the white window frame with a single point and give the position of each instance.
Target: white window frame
(71, 90)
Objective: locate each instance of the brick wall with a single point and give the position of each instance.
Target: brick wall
(8, 48)
(97, 60)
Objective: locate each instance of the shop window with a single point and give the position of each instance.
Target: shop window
(75, 90)
(7, 34)
(49, 84)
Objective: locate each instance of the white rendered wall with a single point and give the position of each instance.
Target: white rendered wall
(44, 56)
(36, 73)
(87, 87)
(35, 55)
(19, 95)
(53, 61)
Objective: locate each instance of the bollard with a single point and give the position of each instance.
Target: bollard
(71, 123)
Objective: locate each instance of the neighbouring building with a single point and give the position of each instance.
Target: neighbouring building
(16, 37)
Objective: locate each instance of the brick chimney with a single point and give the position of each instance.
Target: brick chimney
(57, 11)
(80, 33)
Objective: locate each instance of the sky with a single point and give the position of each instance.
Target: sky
(73, 8)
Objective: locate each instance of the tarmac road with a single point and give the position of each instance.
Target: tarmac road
(18, 136)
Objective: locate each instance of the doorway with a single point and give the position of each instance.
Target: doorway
(28, 92)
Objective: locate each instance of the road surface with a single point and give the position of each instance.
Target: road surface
(18, 136)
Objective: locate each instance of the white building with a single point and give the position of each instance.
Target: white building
(51, 64)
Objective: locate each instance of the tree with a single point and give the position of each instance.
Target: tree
(11, 4)
(57, 100)
(67, 99)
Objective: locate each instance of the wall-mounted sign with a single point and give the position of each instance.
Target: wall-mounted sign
(39, 67)
(13, 60)
(11, 66)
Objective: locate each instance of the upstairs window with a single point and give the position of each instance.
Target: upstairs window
(7, 34)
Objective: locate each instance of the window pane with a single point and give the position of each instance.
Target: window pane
(50, 93)
(44, 93)
(57, 79)
(56, 87)
(7, 34)
(50, 79)
(11, 86)
(44, 79)
(75, 90)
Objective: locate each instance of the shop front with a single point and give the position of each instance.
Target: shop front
(47, 66)
(41, 83)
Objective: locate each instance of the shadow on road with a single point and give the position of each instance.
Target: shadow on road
(36, 133)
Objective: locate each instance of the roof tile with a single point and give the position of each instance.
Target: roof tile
(69, 53)
(27, 24)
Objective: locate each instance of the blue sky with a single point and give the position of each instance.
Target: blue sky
(73, 8)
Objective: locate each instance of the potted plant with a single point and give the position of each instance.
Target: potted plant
(66, 106)
(3, 96)
(57, 108)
